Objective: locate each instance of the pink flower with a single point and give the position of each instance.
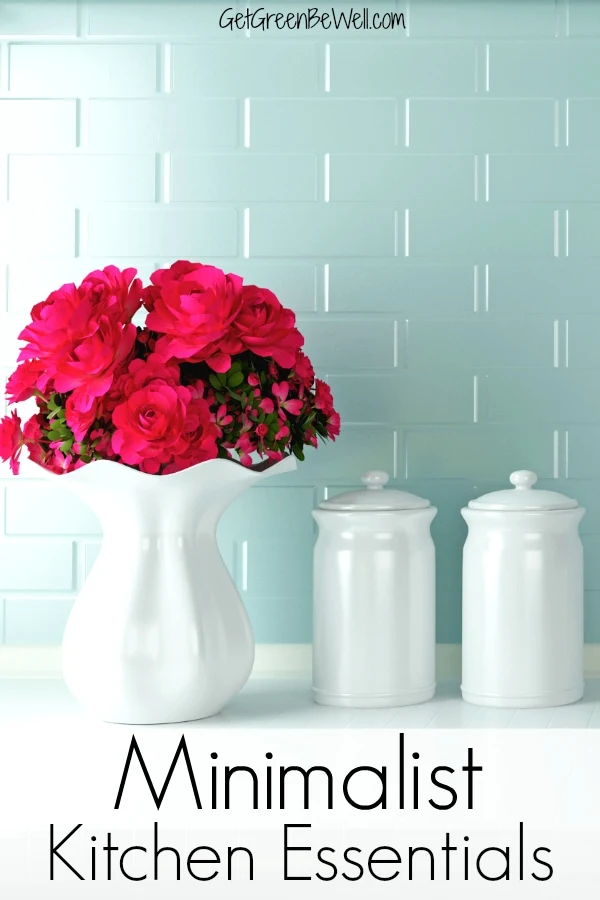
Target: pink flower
(11, 440)
(253, 379)
(303, 370)
(280, 392)
(202, 443)
(29, 377)
(333, 425)
(267, 405)
(261, 430)
(193, 307)
(89, 369)
(112, 292)
(283, 432)
(150, 424)
(323, 398)
(266, 327)
(57, 324)
(78, 420)
(223, 418)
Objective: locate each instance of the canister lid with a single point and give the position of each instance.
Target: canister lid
(523, 497)
(374, 498)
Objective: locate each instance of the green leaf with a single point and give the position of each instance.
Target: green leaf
(67, 446)
(297, 450)
(222, 376)
(214, 381)
(235, 380)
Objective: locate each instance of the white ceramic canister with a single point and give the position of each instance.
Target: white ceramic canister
(374, 598)
(522, 598)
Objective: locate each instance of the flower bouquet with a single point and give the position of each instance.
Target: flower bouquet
(216, 371)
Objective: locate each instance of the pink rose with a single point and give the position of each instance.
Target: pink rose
(11, 440)
(89, 368)
(112, 292)
(29, 377)
(193, 306)
(266, 327)
(261, 430)
(150, 424)
(201, 442)
(57, 324)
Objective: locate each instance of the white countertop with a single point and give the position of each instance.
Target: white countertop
(287, 703)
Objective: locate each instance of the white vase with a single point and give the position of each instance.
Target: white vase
(159, 632)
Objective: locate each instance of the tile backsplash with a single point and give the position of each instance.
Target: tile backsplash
(426, 199)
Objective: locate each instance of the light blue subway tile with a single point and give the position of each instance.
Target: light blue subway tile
(544, 177)
(258, 513)
(39, 509)
(39, 621)
(584, 18)
(349, 344)
(167, 123)
(478, 125)
(584, 124)
(479, 451)
(35, 565)
(281, 621)
(406, 178)
(180, 233)
(73, 180)
(448, 577)
(544, 68)
(592, 617)
(591, 560)
(555, 286)
(331, 229)
(10, 327)
(509, 125)
(404, 69)
(52, 70)
(27, 18)
(493, 18)
(480, 344)
(515, 229)
(31, 230)
(295, 283)
(38, 125)
(229, 177)
(324, 124)
(584, 230)
(583, 451)
(279, 569)
(405, 287)
(276, 587)
(246, 69)
(583, 342)
(556, 396)
(90, 551)
(180, 18)
(403, 398)
(357, 449)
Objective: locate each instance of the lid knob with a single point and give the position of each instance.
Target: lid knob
(375, 481)
(523, 479)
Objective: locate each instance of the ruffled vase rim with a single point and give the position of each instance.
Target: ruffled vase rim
(259, 470)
